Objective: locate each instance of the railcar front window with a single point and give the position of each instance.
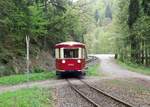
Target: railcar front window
(71, 53)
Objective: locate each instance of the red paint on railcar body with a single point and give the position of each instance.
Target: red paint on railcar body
(70, 64)
(70, 57)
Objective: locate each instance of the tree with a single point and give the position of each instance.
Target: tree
(134, 36)
(133, 12)
(45, 22)
(146, 7)
(108, 12)
(97, 16)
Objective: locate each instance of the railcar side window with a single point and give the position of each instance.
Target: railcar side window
(80, 53)
(57, 53)
(71, 53)
(83, 53)
(61, 52)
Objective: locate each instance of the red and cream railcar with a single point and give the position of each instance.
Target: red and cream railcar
(70, 58)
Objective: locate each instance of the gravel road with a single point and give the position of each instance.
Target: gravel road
(111, 69)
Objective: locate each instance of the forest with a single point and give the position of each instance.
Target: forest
(121, 27)
(133, 27)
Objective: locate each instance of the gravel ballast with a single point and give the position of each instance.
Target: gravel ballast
(135, 91)
(66, 97)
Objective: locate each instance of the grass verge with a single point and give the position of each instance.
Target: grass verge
(136, 68)
(33, 97)
(93, 70)
(17, 79)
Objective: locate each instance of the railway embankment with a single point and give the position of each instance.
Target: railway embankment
(134, 91)
(119, 82)
(131, 89)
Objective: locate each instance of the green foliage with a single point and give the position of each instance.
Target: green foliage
(39, 22)
(38, 70)
(34, 97)
(133, 12)
(93, 70)
(6, 71)
(146, 7)
(22, 78)
(132, 26)
(135, 67)
(100, 37)
(46, 22)
(97, 15)
(15, 25)
(142, 27)
(108, 12)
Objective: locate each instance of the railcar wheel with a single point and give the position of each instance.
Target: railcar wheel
(81, 77)
(84, 73)
(59, 75)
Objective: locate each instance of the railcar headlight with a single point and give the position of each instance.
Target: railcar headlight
(63, 61)
(79, 61)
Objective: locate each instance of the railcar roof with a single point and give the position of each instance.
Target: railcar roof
(70, 43)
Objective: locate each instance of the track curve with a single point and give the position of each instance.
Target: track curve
(101, 98)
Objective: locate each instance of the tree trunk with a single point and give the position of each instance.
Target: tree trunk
(133, 47)
(146, 53)
(142, 52)
(27, 57)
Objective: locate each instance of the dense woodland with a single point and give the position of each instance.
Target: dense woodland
(123, 28)
(133, 31)
(46, 22)
(106, 26)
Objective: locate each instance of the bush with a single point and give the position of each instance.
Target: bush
(38, 70)
(5, 71)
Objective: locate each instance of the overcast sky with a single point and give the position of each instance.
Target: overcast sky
(74, 0)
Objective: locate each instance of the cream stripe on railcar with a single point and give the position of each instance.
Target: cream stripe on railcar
(56, 53)
(62, 53)
(80, 53)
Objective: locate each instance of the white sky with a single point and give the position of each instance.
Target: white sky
(74, 0)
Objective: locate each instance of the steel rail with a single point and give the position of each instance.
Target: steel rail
(81, 94)
(108, 95)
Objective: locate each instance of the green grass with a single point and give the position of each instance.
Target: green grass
(135, 67)
(17, 79)
(93, 70)
(33, 97)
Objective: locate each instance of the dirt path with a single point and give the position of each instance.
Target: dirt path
(111, 69)
(43, 84)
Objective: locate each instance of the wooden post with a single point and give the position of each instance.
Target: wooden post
(27, 57)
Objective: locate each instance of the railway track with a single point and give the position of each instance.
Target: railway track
(100, 98)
